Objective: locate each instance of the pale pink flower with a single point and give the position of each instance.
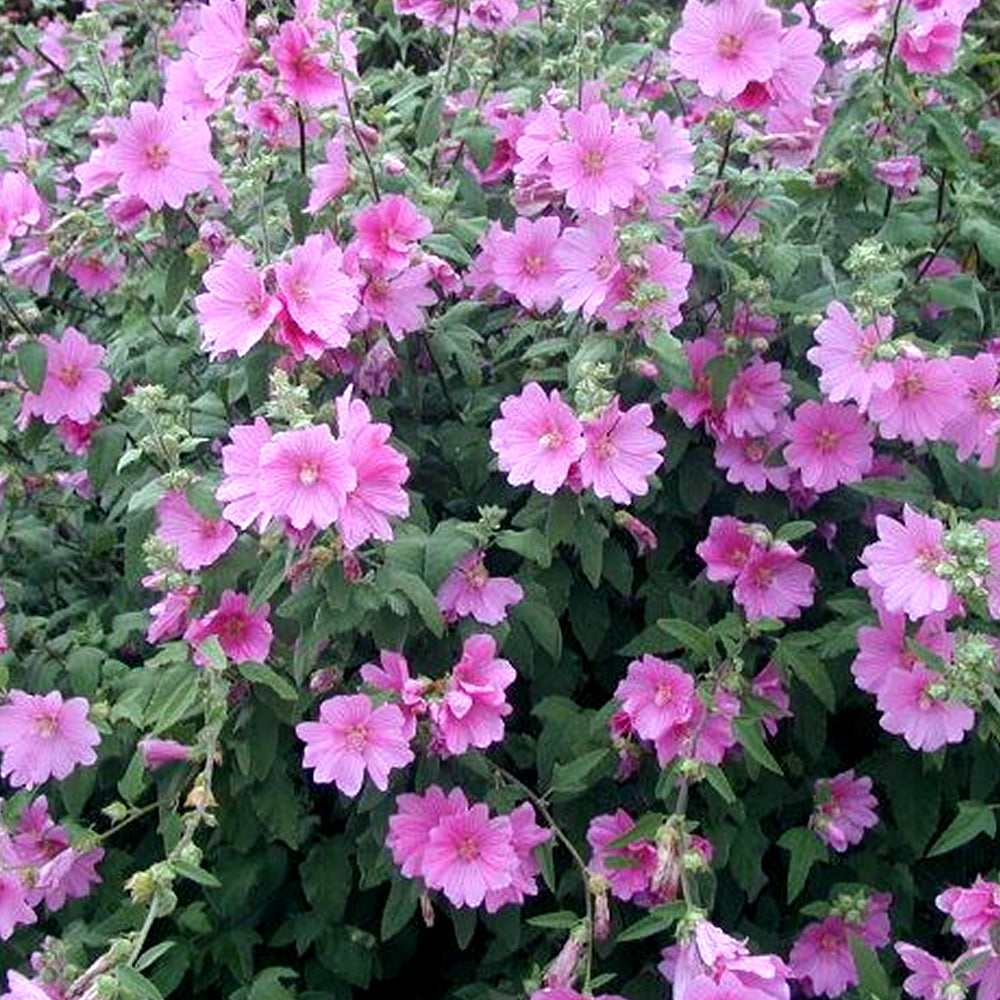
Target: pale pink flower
(626, 882)
(844, 809)
(398, 299)
(244, 633)
(526, 262)
(694, 404)
(236, 311)
(221, 45)
(622, 451)
(411, 825)
(470, 591)
(317, 292)
(975, 429)
(392, 673)
(169, 616)
(755, 398)
(884, 647)
(726, 45)
(900, 173)
(974, 911)
(655, 696)
(601, 163)
(74, 384)
(21, 208)
(821, 958)
(305, 476)
(928, 975)
(774, 583)
(662, 268)
(915, 705)
(537, 439)
(474, 704)
(388, 231)
(42, 737)
(671, 163)
(240, 465)
(185, 89)
(331, 178)
(769, 686)
(706, 736)
(587, 258)
(753, 462)
(526, 835)
(903, 564)
(303, 67)
(351, 738)
(95, 274)
(923, 397)
(845, 354)
(161, 157)
(829, 444)
(929, 45)
(799, 67)
(379, 474)
(468, 854)
(727, 549)
(158, 753)
(852, 21)
(199, 540)
(14, 910)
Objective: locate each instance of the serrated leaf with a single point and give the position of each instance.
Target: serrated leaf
(748, 732)
(659, 919)
(261, 673)
(973, 819)
(805, 849)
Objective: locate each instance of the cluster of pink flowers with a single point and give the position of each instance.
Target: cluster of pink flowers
(38, 864)
(474, 858)
(768, 576)
(845, 808)
(538, 439)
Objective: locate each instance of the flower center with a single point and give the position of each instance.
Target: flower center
(755, 450)
(299, 291)
(593, 162)
(69, 375)
(308, 473)
(46, 725)
(551, 440)
(233, 628)
(357, 737)
(928, 558)
(664, 694)
(533, 264)
(730, 45)
(911, 386)
(468, 849)
(157, 157)
(827, 440)
(476, 576)
(604, 265)
(829, 942)
(762, 576)
(605, 448)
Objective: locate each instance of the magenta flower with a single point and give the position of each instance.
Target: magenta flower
(199, 540)
(601, 164)
(474, 705)
(929, 45)
(21, 208)
(884, 647)
(331, 178)
(526, 835)
(774, 583)
(928, 975)
(900, 173)
(845, 354)
(157, 753)
(161, 157)
(974, 911)
(656, 695)
(695, 404)
(392, 673)
(587, 258)
(904, 561)
(769, 686)
(42, 737)
(753, 462)
(244, 633)
(235, 312)
(170, 615)
(621, 452)
(536, 439)
(821, 958)
(14, 909)
(470, 591)
(726, 45)
(469, 854)
(755, 398)
(353, 737)
(829, 444)
(915, 705)
(525, 262)
(852, 21)
(305, 476)
(845, 808)
(728, 547)
(74, 384)
(626, 881)
(920, 401)
(318, 294)
(240, 466)
(303, 67)
(388, 231)
(974, 431)
(411, 825)
(398, 299)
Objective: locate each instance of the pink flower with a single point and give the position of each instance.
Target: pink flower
(170, 615)
(845, 354)
(904, 561)
(975, 429)
(600, 165)
(753, 462)
(331, 178)
(774, 583)
(351, 738)
(725, 987)
(235, 312)
(526, 835)
(694, 404)
(525, 262)
(728, 547)
(411, 825)
(157, 753)
(536, 439)
(199, 540)
(303, 67)
(900, 173)
(95, 274)
(388, 231)
(319, 296)
(929, 45)
(884, 648)
(821, 958)
(829, 444)
(671, 163)
(393, 674)
(928, 975)
(726, 45)
(468, 854)
(42, 737)
(19, 987)
(587, 259)
(14, 908)
(469, 590)
(74, 383)
(656, 695)
(474, 705)
(240, 466)
(305, 476)
(852, 21)
(769, 686)
(920, 401)
(915, 705)
(21, 208)
(974, 911)
(379, 470)
(633, 879)
(161, 157)
(755, 398)
(621, 452)
(398, 299)
(244, 633)
(221, 45)
(799, 67)
(845, 808)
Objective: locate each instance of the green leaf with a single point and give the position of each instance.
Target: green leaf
(106, 447)
(721, 370)
(176, 696)
(271, 577)
(137, 984)
(693, 639)
(400, 906)
(805, 849)
(872, 979)
(716, 777)
(261, 673)
(530, 543)
(578, 775)
(32, 360)
(429, 126)
(418, 594)
(175, 282)
(150, 955)
(645, 829)
(944, 125)
(195, 874)
(973, 819)
(540, 620)
(267, 984)
(809, 669)
(561, 920)
(794, 530)
(748, 732)
(986, 236)
(590, 545)
(659, 919)
(563, 513)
